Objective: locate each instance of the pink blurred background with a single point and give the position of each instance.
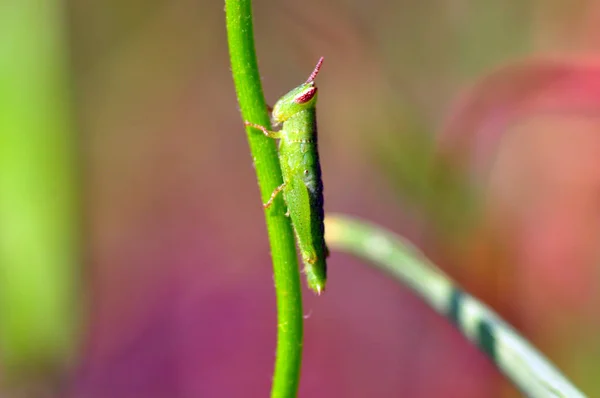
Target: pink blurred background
(470, 127)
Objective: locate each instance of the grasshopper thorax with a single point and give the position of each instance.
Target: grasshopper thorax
(297, 100)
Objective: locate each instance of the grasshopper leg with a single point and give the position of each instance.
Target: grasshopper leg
(274, 195)
(268, 133)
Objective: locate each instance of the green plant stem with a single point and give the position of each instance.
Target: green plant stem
(264, 153)
(516, 358)
(39, 210)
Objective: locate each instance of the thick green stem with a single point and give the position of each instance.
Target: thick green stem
(264, 153)
(520, 362)
(39, 212)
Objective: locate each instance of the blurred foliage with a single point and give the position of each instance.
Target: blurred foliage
(39, 213)
(427, 183)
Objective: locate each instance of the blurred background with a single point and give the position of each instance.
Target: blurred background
(133, 254)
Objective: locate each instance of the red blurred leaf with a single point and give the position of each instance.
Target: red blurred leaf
(515, 91)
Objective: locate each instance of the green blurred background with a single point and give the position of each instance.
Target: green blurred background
(133, 252)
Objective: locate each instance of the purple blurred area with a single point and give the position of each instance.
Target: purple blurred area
(179, 283)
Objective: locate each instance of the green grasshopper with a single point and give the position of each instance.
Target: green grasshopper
(302, 185)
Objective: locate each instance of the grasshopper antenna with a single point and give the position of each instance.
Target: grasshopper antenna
(316, 71)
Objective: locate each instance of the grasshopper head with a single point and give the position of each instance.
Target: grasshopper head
(302, 97)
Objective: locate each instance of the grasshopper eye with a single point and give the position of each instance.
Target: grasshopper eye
(306, 96)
